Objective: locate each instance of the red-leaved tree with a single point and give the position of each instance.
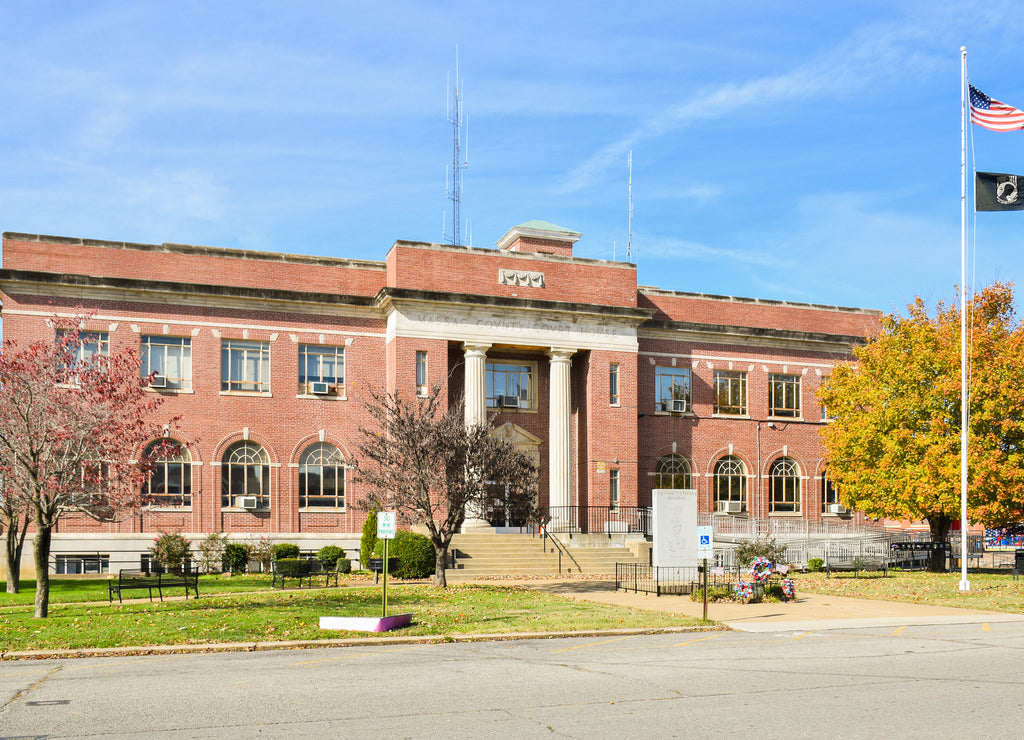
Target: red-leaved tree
(74, 421)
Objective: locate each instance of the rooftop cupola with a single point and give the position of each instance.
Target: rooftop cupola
(539, 237)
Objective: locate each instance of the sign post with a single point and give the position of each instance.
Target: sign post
(705, 552)
(386, 528)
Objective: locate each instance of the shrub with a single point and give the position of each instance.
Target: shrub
(369, 540)
(415, 550)
(260, 550)
(815, 565)
(170, 550)
(236, 557)
(715, 593)
(284, 551)
(328, 555)
(344, 565)
(760, 548)
(211, 552)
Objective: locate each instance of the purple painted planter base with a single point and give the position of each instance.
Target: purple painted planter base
(366, 624)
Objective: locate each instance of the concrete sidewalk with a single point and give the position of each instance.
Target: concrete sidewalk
(810, 612)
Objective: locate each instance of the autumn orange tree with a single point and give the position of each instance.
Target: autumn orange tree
(893, 447)
(74, 421)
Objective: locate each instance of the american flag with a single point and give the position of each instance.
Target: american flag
(993, 115)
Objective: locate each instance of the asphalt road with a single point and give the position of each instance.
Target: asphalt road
(905, 681)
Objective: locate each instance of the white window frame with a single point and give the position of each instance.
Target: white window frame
(788, 385)
(253, 364)
(158, 345)
(318, 353)
(734, 384)
(527, 393)
(667, 387)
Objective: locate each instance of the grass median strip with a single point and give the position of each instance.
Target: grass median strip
(989, 591)
(294, 615)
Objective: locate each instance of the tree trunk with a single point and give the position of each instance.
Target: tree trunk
(44, 534)
(16, 529)
(939, 527)
(440, 563)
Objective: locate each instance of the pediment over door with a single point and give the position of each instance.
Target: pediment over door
(522, 439)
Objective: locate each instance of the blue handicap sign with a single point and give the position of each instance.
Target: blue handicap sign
(705, 540)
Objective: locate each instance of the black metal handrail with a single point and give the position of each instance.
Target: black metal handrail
(597, 519)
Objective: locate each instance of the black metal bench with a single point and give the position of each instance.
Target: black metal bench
(856, 564)
(136, 580)
(302, 570)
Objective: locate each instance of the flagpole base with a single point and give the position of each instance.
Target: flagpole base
(965, 585)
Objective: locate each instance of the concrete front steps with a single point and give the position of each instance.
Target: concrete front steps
(490, 555)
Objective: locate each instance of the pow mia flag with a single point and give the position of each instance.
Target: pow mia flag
(997, 192)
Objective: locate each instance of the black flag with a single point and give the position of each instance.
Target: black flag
(997, 192)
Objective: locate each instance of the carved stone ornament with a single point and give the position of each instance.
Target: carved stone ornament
(521, 277)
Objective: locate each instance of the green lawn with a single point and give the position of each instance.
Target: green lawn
(293, 614)
(993, 591)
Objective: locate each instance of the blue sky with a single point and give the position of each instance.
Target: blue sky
(793, 151)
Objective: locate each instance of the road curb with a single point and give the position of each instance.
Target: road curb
(242, 647)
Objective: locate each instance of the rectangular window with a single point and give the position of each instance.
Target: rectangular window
(90, 344)
(321, 370)
(245, 366)
(510, 385)
(672, 386)
(730, 392)
(169, 360)
(784, 395)
(613, 383)
(421, 374)
(79, 564)
(613, 489)
(829, 497)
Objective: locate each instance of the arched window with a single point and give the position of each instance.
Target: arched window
(245, 472)
(730, 485)
(322, 477)
(673, 472)
(784, 480)
(171, 481)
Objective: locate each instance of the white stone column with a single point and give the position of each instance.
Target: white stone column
(476, 413)
(476, 383)
(559, 434)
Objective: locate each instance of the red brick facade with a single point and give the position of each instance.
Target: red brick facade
(520, 302)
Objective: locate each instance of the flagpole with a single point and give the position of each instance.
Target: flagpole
(965, 585)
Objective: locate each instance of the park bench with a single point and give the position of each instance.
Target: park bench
(136, 580)
(857, 564)
(302, 570)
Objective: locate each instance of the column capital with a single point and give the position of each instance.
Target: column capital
(475, 349)
(560, 354)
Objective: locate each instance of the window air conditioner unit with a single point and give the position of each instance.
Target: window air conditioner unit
(678, 406)
(158, 381)
(733, 507)
(245, 502)
(837, 509)
(319, 389)
(508, 402)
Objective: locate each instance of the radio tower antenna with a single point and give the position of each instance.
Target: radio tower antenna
(460, 159)
(629, 228)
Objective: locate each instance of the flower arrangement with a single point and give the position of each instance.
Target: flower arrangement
(788, 588)
(760, 569)
(744, 590)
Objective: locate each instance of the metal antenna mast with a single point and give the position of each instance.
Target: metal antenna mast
(629, 232)
(459, 163)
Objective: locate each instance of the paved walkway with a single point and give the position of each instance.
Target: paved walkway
(806, 612)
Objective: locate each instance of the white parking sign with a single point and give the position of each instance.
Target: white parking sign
(705, 543)
(386, 525)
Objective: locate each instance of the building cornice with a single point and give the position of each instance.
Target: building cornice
(651, 291)
(199, 251)
(503, 254)
(387, 297)
(689, 331)
(65, 285)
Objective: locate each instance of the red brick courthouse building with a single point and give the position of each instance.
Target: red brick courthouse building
(616, 388)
